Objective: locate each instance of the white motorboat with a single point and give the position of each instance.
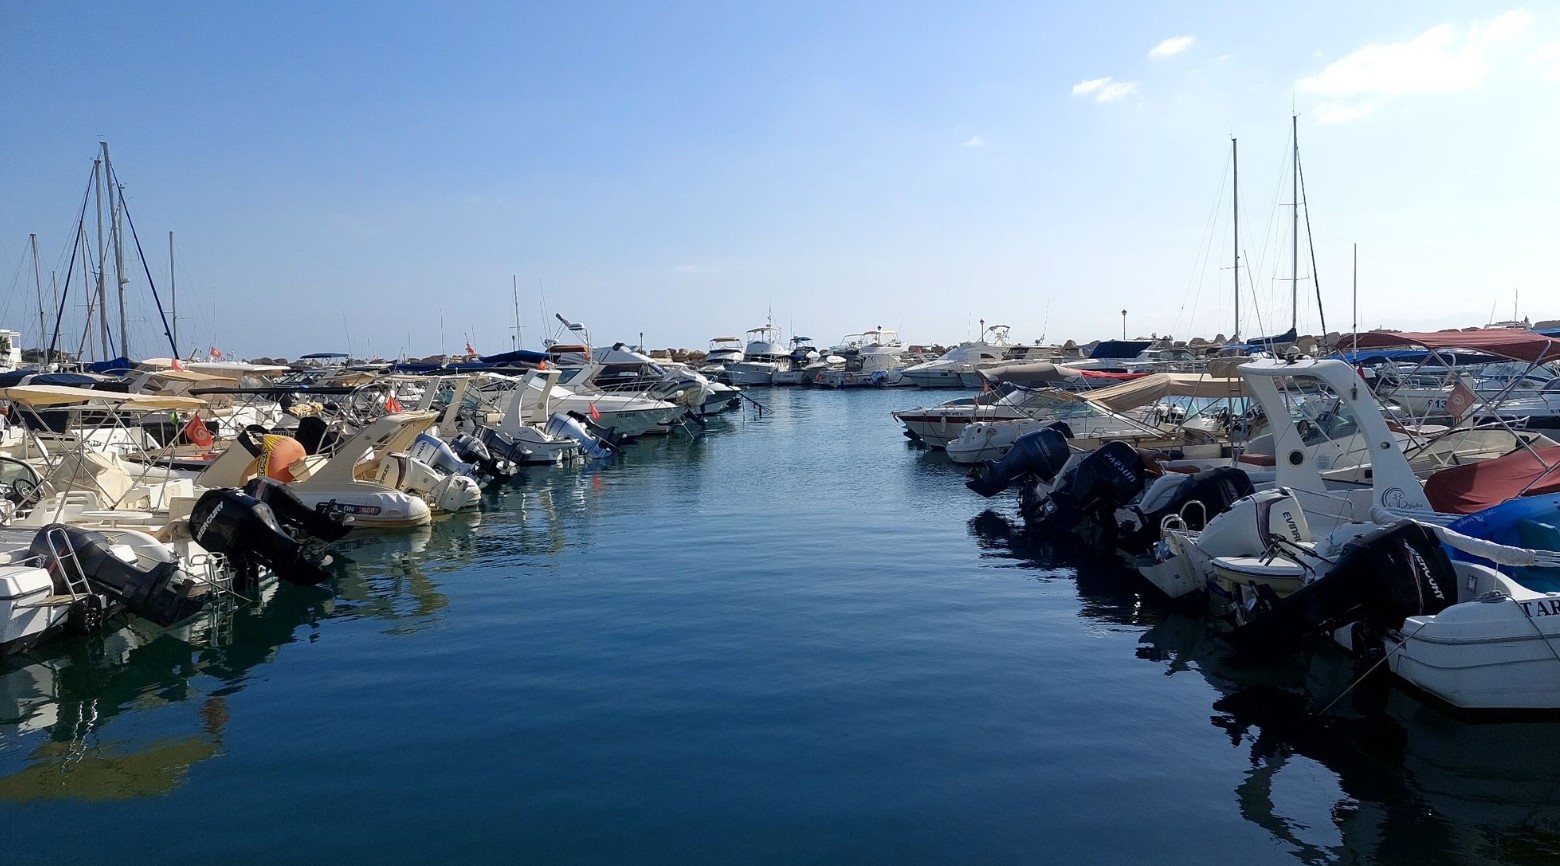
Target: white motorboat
(763, 357)
(628, 414)
(803, 356)
(873, 359)
(722, 351)
(949, 370)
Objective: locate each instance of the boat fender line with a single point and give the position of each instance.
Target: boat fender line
(1494, 551)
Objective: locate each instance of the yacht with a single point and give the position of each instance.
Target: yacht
(873, 358)
(949, 370)
(722, 351)
(763, 357)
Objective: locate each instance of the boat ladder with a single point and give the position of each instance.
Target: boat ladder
(62, 560)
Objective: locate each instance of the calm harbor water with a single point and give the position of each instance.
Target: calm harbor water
(793, 639)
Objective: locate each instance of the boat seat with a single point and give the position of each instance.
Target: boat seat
(1538, 535)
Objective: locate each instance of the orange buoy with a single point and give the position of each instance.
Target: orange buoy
(277, 454)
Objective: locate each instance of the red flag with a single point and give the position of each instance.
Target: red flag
(392, 405)
(177, 365)
(596, 416)
(469, 350)
(197, 432)
(215, 353)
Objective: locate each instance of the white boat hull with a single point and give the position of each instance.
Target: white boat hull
(1500, 654)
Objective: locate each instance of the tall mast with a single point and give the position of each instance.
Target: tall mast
(1235, 207)
(1356, 293)
(173, 296)
(102, 266)
(515, 288)
(117, 231)
(43, 325)
(1294, 238)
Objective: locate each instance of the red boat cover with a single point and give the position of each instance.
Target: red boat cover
(1477, 486)
(1513, 343)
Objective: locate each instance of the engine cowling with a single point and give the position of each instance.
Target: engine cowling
(1041, 453)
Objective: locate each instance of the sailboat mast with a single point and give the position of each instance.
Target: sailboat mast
(1294, 237)
(117, 231)
(173, 297)
(43, 325)
(514, 287)
(1235, 208)
(1356, 293)
(102, 266)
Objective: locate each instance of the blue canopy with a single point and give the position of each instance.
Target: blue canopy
(1119, 349)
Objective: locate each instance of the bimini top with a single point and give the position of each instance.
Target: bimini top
(1513, 343)
(44, 396)
(1157, 386)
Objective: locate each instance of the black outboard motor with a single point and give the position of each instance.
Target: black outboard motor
(1215, 490)
(1041, 453)
(232, 522)
(299, 519)
(471, 449)
(608, 435)
(164, 594)
(1380, 579)
(1086, 499)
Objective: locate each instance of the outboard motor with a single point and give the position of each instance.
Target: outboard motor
(247, 531)
(164, 594)
(1380, 579)
(435, 453)
(1213, 491)
(473, 451)
(1041, 453)
(577, 427)
(607, 435)
(300, 520)
(1110, 477)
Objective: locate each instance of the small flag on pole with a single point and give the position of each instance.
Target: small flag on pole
(1462, 399)
(392, 405)
(470, 351)
(595, 415)
(215, 353)
(197, 432)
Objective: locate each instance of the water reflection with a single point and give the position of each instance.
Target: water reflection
(1107, 591)
(1408, 783)
(58, 739)
(1337, 774)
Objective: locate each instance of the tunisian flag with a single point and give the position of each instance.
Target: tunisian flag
(197, 432)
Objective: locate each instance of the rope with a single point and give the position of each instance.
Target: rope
(1372, 669)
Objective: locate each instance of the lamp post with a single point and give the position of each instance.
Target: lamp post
(1123, 324)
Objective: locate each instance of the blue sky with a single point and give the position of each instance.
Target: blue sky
(346, 175)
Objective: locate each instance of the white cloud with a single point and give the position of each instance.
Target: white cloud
(1105, 89)
(1443, 59)
(1548, 56)
(1084, 88)
(1172, 46)
(1343, 112)
(974, 141)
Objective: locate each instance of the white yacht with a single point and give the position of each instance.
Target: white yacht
(722, 351)
(949, 370)
(873, 358)
(763, 357)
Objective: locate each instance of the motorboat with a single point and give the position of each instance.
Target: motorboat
(1163, 420)
(803, 356)
(361, 476)
(873, 359)
(764, 355)
(948, 370)
(722, 351)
